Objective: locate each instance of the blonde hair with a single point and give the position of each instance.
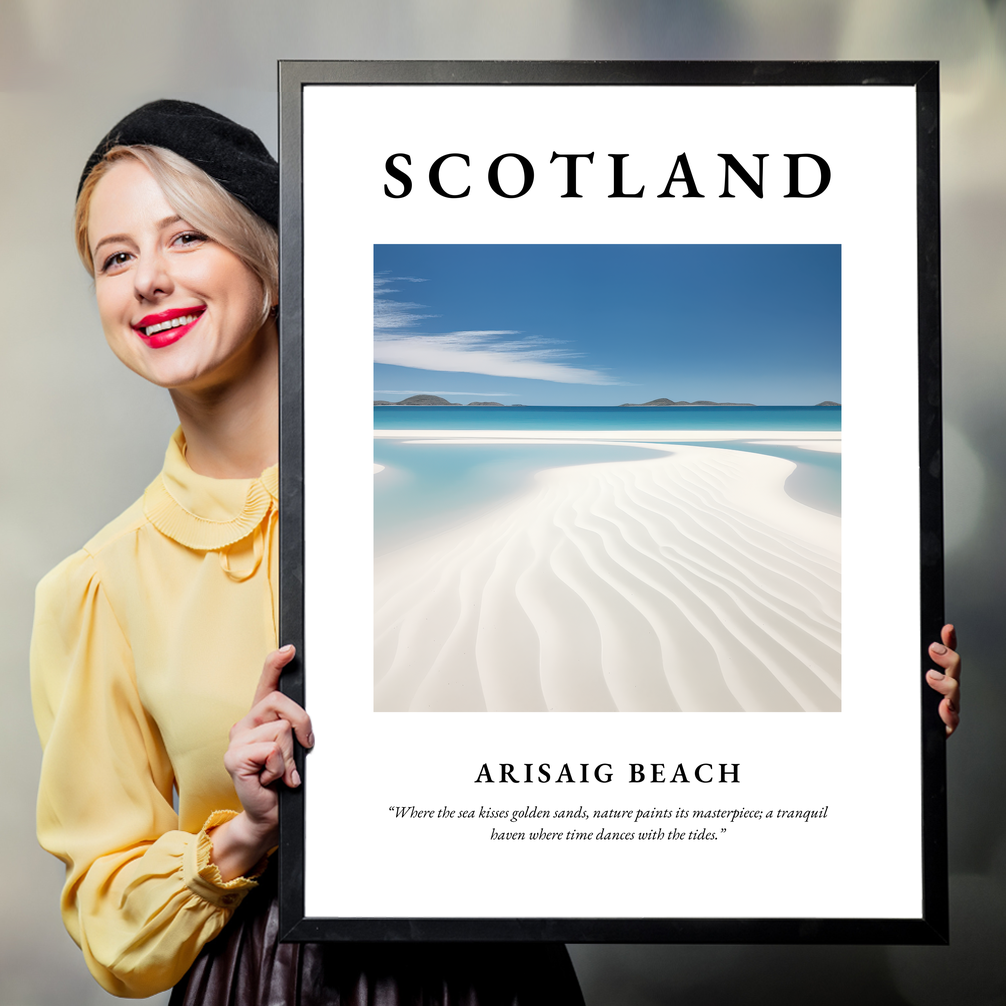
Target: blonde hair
(199, 200)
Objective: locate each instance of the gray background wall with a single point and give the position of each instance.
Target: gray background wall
(82, 436)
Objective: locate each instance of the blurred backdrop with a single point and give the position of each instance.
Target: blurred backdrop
(83, 437)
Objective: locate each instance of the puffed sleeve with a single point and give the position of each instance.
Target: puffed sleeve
(141, 898)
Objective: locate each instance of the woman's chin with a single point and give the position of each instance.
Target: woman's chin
(197, 365)
(173, 374)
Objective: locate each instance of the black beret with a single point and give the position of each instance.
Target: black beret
(231, 154)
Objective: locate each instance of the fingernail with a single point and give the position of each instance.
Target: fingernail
(938, 648)
(310, 740)
(936, 675)
(295, 777)
(287, 649)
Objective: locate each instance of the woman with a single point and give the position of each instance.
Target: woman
(148, 643)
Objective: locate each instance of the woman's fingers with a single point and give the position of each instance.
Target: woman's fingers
(274, 766)
(945, 655)
(947, 686)
(271, 671)
(949, 710)
(947, 680)
(260, 761)
(279, 735)
(270, 703)
(949, 660)
(261, 749)
(277, 706)
(949, 636)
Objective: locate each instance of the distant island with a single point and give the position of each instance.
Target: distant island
(421, 400)
(656, 403)
(436, 400)
(665, 402)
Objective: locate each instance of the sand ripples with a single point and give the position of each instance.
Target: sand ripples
(688, 582)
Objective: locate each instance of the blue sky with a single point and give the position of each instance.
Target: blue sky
(607, 324)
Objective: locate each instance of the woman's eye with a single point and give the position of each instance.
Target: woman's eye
(190, 238)
(114, 261)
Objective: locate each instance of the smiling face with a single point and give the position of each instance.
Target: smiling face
(177, 307)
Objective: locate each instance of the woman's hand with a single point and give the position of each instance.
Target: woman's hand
(260, 753)
(947, 682)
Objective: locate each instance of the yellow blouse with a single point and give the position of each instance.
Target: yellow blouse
(147, 647)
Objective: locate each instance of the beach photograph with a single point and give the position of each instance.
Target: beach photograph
(607, 478)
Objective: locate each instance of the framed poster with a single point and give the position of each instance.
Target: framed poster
(611, 501)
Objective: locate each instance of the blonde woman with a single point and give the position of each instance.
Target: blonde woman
(165, 735)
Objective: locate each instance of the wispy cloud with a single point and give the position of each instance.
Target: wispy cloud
(481, 353)
(394, 314)
(492, 352)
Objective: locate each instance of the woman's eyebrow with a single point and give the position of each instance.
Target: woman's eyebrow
(109, 240)
(160, 225)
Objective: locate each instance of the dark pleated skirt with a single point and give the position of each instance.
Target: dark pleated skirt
(246, 965)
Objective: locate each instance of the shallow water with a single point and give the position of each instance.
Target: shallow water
(817, 480)
(427, 488)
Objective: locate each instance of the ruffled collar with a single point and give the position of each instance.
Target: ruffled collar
(203, 513)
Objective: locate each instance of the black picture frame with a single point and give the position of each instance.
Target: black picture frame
(931, 927)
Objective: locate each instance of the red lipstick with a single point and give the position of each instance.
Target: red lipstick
(165, 324)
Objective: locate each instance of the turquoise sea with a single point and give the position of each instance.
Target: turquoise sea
(427, 488)
(562, 417)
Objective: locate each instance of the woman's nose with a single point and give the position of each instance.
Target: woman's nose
(152, 277)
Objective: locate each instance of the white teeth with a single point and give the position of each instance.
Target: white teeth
(173, 323)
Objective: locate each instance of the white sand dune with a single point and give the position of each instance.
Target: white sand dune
(689, 582)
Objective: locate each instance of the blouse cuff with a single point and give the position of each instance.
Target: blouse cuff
(202, 876)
